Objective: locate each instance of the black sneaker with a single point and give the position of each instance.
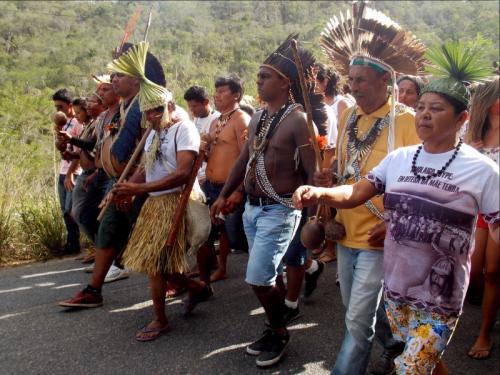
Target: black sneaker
(311, 280)
(193, 300)
(289, 314)
(274, 351)
(385, 365)
(256, 347)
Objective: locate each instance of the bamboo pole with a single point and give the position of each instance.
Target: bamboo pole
(127, 169)
(181, 207)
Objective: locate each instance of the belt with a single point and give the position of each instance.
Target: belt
(264, 201)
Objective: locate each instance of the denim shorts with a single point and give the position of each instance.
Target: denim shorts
(269, 230)
(296, 254)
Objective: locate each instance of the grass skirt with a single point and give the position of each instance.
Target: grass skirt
(145, 251)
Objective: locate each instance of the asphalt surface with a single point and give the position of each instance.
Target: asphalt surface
(38, 337)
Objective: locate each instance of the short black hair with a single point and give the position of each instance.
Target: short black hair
(234, 82)
(80, 102)
(197, 93)
(331, 75)
(62, 95)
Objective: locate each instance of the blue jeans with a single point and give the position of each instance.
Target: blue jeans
(86, 202)
(66, 201)
(269, 230)
(361, 275)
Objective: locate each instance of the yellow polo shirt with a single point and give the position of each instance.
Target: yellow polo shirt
(358, 221)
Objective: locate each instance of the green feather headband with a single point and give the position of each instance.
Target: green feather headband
(454, 67)
(133, 64)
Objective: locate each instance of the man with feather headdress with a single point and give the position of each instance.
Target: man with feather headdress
(369, 48)
(276, 159)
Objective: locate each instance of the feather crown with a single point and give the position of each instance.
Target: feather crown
(368, 37)
(133, 63)
(282, 62)
(454, 67)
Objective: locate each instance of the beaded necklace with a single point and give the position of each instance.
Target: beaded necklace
(256, 161)
(435, 174)
(359, 150)
(221, 123)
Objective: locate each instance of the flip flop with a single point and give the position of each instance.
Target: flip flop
(474, 352)
(157, 332)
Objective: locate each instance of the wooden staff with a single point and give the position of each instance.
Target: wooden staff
(181, 207)
(127, 169)
(307, 103)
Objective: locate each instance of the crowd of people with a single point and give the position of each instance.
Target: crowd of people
(134, 163)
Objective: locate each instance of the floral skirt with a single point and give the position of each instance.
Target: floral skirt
(425, 334)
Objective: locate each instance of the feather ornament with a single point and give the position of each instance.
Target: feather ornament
(368, 32)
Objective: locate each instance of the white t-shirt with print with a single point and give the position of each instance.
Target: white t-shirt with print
(186, 136)
(431, 224)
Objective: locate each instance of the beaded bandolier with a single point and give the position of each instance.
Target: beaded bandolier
(256, 164)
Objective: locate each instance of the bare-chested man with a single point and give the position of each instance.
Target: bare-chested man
(226, 138)
(269, 171)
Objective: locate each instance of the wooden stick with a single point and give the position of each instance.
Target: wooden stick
(128, 167)
(181, 207)
(310, 127)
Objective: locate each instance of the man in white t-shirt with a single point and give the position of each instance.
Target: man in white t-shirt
(63, 102)
(198, 103)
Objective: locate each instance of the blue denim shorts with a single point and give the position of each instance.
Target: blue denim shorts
(296, 253)
(269, 230)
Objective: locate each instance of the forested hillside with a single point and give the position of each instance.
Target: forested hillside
(53, 44)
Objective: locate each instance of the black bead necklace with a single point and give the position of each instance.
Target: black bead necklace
(435, 174)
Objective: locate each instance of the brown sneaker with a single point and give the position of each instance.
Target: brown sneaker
(84, 298)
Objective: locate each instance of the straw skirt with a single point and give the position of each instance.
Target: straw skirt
(145, 251)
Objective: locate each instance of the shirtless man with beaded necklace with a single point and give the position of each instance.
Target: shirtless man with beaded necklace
(226, 138)
(276, 158)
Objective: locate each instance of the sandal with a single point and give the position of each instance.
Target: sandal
(151, 333)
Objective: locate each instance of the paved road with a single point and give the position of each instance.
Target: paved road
(38, 337)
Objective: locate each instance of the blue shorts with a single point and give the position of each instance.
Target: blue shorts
(233, 222)
(296, 253)
(269, 230)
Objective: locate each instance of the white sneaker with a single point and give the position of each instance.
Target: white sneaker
(116, 273)
(89, 269)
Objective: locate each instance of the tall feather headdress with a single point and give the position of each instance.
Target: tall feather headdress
(368, 37)
(454, 67)
(133, 63)
(282, 62)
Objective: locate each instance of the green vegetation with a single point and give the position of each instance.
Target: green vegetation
(48, 45)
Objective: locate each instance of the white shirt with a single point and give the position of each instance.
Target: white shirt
(203, 123)
(184, 135)
(203, 126)
(180, 113)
